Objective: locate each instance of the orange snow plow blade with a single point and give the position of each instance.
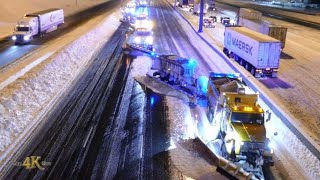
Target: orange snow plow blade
(224, 167)
(231, 171)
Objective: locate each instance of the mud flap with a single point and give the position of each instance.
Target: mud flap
(126, 50)
(226, 173)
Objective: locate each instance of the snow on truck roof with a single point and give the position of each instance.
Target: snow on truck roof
(43, 12)
(253, 34)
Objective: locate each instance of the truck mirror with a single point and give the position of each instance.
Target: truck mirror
(268, 113)
(130, 30)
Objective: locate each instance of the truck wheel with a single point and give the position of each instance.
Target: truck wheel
(162, 76)
(253, 71)
(231, 54)
(247, 66)
(223, 150)
(156, 74)
(209, 114)
(274, 74)
(241, 61)
(236, 58)
(226, 52)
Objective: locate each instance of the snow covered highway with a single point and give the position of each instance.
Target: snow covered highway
(86, 109)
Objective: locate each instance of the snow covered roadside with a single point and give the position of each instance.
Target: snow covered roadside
(24, 101)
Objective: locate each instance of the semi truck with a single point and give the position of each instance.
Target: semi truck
(248, 13)
(253, 20)
(37, 23)
(183, 3)
(257, 52)
(234, 108)
(196, 8)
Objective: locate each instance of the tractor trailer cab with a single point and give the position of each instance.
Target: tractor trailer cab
(37, 23)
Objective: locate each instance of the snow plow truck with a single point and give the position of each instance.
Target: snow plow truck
(234, 107)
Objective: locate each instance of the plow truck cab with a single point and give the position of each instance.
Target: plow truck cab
(234, 107)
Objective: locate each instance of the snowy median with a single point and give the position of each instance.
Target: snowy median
(25, 101)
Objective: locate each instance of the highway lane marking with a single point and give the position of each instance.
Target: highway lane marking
(87, 138)
(24, 70)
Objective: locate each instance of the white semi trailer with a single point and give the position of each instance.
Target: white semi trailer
(37, 23)
(258, 53)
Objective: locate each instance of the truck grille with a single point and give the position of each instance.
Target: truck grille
(250, 146)
(19, 37)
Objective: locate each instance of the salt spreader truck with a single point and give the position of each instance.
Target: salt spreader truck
(37, 23)
(234, 107)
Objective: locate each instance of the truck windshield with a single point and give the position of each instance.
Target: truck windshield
(144, 33)
(249, 118)
(22, 28)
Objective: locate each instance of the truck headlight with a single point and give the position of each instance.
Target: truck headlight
(270, 145)
(137, 39)
(14, 38)
(233, 136)
(149, 40)
(149, 24)
(26, 38)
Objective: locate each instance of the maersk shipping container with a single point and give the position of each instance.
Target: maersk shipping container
(265, 27)
(257, 52)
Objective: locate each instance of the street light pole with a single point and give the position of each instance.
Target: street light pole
(201, 16)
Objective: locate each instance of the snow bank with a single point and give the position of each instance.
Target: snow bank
(188, 157)
(22, 101)
(140, 66)
(182, 125)
(293, 151)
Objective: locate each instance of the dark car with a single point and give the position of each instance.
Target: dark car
(225, 20)
(208, 22)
